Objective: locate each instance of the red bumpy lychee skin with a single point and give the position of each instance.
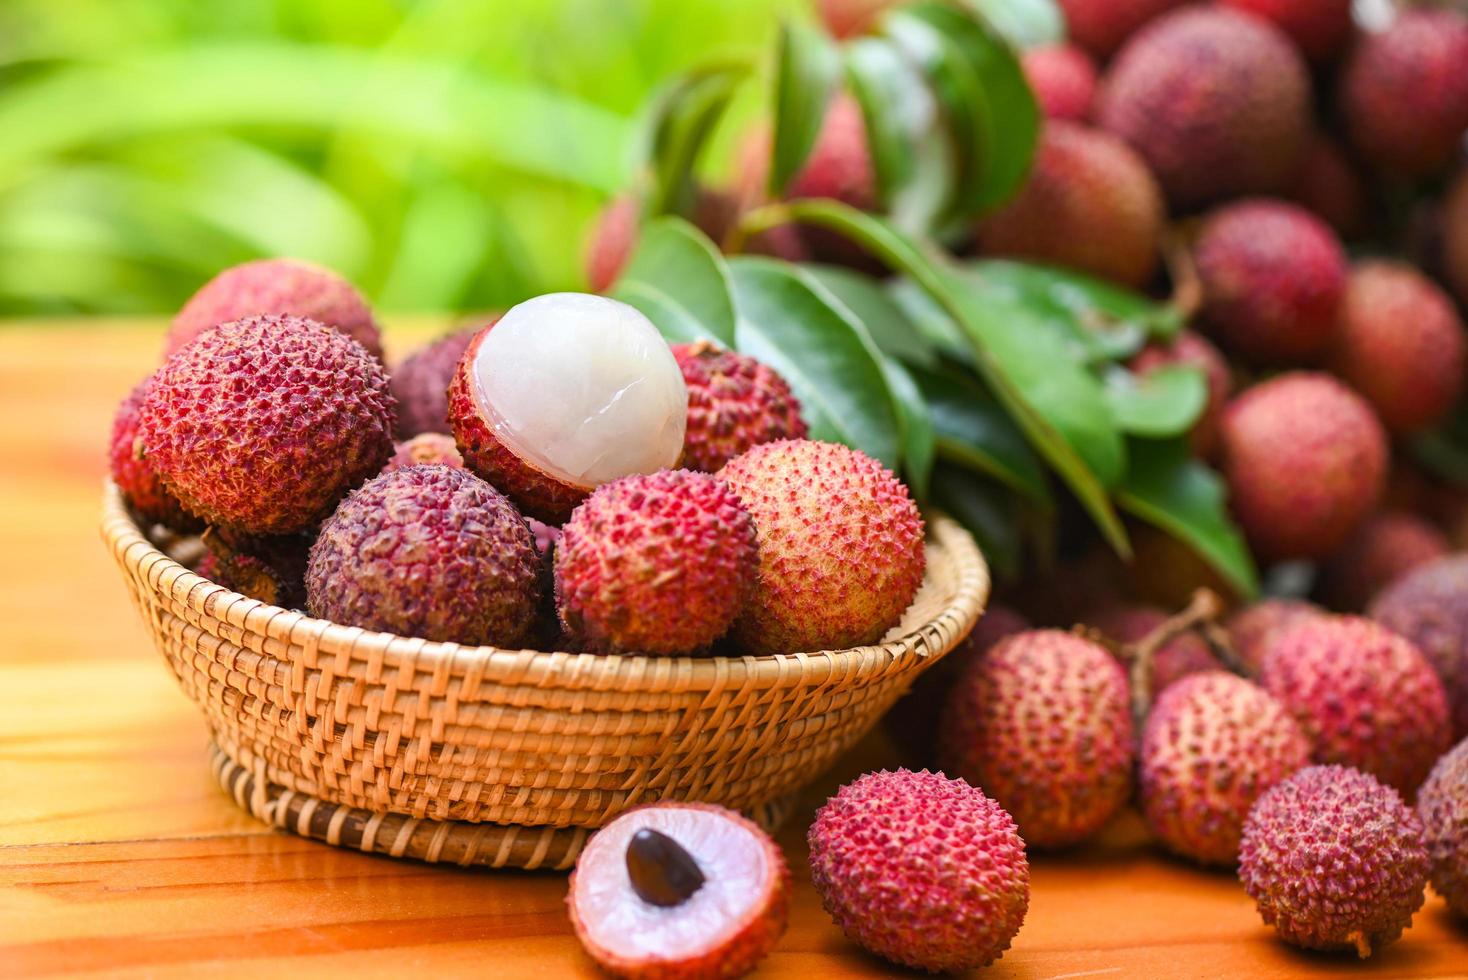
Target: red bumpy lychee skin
(1305, 459)
(1404, 92)
(135, 477)
(262, 425)
(1179, 657)
(1382, 551)
(734, 404)
(656, 564)
(1212, 744)
(1273, 276)
(920, 869)
(1102, 26)
(1191, 349)
(1043, 723)
(1090, 204)
(1063, 78)
(421, 383)
(1401, 344)
(277, 287)
(1334, 860)
(723, 929)
(840, 547)
(1217, 102)
(427, 447)
(1442, 805)
(428, 551)
(1364, 696)
(1429, 606)
(1319, 28)
(1329, 185)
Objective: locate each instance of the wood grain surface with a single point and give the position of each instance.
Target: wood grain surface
(120, 856)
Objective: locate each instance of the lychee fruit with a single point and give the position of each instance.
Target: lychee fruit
(421, 383)
(920, 869)
(1364, 696)
(851, 18)
(1063, 78)
(657, 564)
(1273, 276)
(1043, 723)
(426, 447)
(839, 165)
(1328, 185)
(1253, 629)
(1404, 92)
(1101, 26)
(150, 501)
(565, 393)
(276, 287)
(1212, 744)
(263, 424)
(1383, 550)
(1179, 657)
(1217, 102)
(840, 547)
(614, 238)
(1429, 606)
(679, 891)
(427, 551)
(1334, 860)
(734, 404)
(1305, 459)
(1319, 28)
(1442, 806)
(1090, 204)
(1400, 343)
(1455, 237)
(270, 569)
(1189, 348)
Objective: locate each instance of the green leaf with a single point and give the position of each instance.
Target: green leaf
(1026, 23)
(1157, 405)
(681, 118)
(882, 82)
(972, 429)
(915, 422)
(808, 67)
(680, 281)
(1167, 488)
(895, 335)
(986, 511)
(788, 321)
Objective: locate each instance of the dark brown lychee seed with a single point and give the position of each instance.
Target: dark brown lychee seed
(661, 871)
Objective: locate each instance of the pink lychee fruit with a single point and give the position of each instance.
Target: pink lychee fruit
(1442, 806)
(1254, 628)
(1063, 78)
(1429, 606)
(135, 477)
(734, 404)
(1383, 550)
(421, 383)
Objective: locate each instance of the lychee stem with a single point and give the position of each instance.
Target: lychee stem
(1202, 610)
(661, 871)
(1187, 288)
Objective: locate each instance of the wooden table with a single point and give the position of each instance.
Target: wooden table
(120, 855)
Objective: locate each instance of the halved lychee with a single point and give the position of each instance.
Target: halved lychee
(679, 890)
(566, 392)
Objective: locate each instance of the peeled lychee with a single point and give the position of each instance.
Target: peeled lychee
(1255, 628)
(840, 547)
(1400, 343)
(920, 869)
(1329, 185)
(656, 564)
(1442, 806)
(150, 500)
(263, 424)
(427, 447)
(565, 393)
(1429, 606)
(1305, 459)
(1212, 744)
(1382, 551)
(734, 404)
(1190, 349)
(1090, 204)
(678, 891)
(1404, 92)
(1101, 26)
(1179, 657)
(1043, 723)
(1319, 28)
(277, 287)
(427, 551)
(1364, 696)
(1063, 78)
(1217, 102)
(421, 384)
(1334, 860)
(1273, 276)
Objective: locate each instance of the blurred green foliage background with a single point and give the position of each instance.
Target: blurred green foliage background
(444, 154)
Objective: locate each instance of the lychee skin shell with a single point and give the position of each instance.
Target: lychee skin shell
(1334, 860)
(420, 384)
(1429, 607)
(276, 287)
(1063, 78)
(135, 476)
(920, 869)
(1364, 696)
(426, 447)
(734, 404)
(427, 551)
(1255, 628)
(1305, 459)
(657, 564)
(1386, 548)
(263, 424)
(1217, 102)
(1401, 344)
(1442, 806)
(1273, 278)
(840, 547)
(1090, 204)
(535, 492)
(1188, 348)
(1212, 744)
(1043, 723)
(1404, 92)
(1102, 26)
(1319, 28)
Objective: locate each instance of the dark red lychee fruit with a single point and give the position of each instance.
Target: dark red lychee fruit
(150, 501)
(1192, 349)
(1429, 606)
(1329, 185)
(1442, 805)
(734, 404)
(1319, 28)
(1102, 26)
(1063, 78)
(1381, 552)
(421, 383)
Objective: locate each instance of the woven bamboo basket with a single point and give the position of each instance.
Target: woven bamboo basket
(511, 758)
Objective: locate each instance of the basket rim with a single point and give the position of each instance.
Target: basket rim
(586, 671)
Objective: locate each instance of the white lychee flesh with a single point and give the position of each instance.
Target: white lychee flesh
(583, 388)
